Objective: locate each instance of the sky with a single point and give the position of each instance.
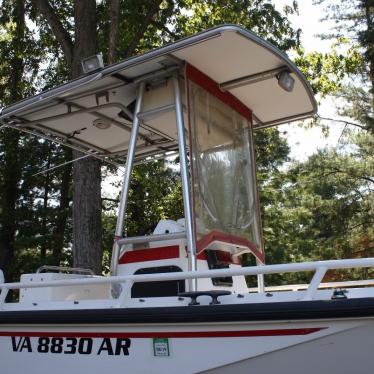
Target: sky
(304, 142)
(309, 21)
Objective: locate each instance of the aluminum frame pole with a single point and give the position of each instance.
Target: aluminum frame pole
(126, 178)
(185, 181)
(260, 279)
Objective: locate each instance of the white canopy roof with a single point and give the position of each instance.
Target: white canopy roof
(238, 60)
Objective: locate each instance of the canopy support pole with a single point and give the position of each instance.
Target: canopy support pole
(185, 182)
(260, 279)
(126, 179)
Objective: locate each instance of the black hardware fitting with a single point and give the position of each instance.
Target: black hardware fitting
(215, 294)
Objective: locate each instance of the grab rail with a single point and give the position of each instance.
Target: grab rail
(64, 268)
(320, 268)
(304, 286)
(152, 238)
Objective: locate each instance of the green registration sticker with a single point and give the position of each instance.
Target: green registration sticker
(161, 347)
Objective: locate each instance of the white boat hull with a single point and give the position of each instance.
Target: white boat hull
(319, 346)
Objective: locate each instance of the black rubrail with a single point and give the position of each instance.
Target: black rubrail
(298, 310)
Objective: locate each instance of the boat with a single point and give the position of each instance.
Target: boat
(177, 301)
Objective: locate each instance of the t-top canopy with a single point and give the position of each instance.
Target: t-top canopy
(94, 113)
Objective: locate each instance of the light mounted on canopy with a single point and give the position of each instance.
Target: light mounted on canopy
(93, 63)
(282, 74)
(286, 81)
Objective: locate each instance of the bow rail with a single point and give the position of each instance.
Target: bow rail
(319, 267)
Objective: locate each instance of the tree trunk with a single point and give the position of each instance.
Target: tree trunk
(9, 196)
(12, 170)
(87, 225)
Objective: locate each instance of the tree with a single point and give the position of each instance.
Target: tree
(322, 208)
(355, 26)
(155, 193)
(143, 20)
(22, 157)
(15, 17)
(123, 28)
(87, 229)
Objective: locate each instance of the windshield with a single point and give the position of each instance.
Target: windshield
(224, 185)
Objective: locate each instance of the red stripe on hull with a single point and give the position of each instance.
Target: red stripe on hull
(175, 334)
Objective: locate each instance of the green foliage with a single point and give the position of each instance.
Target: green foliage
(260, 16)
(29, 203)
(321, 208)
(155, 193)
(155, 190)
(326, 72)
(340, 203)
(354, 21)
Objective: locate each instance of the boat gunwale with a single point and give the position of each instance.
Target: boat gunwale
(248, 312)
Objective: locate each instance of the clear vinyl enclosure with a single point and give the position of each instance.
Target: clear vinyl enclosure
(223, 171)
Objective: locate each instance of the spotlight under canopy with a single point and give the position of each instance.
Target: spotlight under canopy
(93, 63)
(286, 81)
